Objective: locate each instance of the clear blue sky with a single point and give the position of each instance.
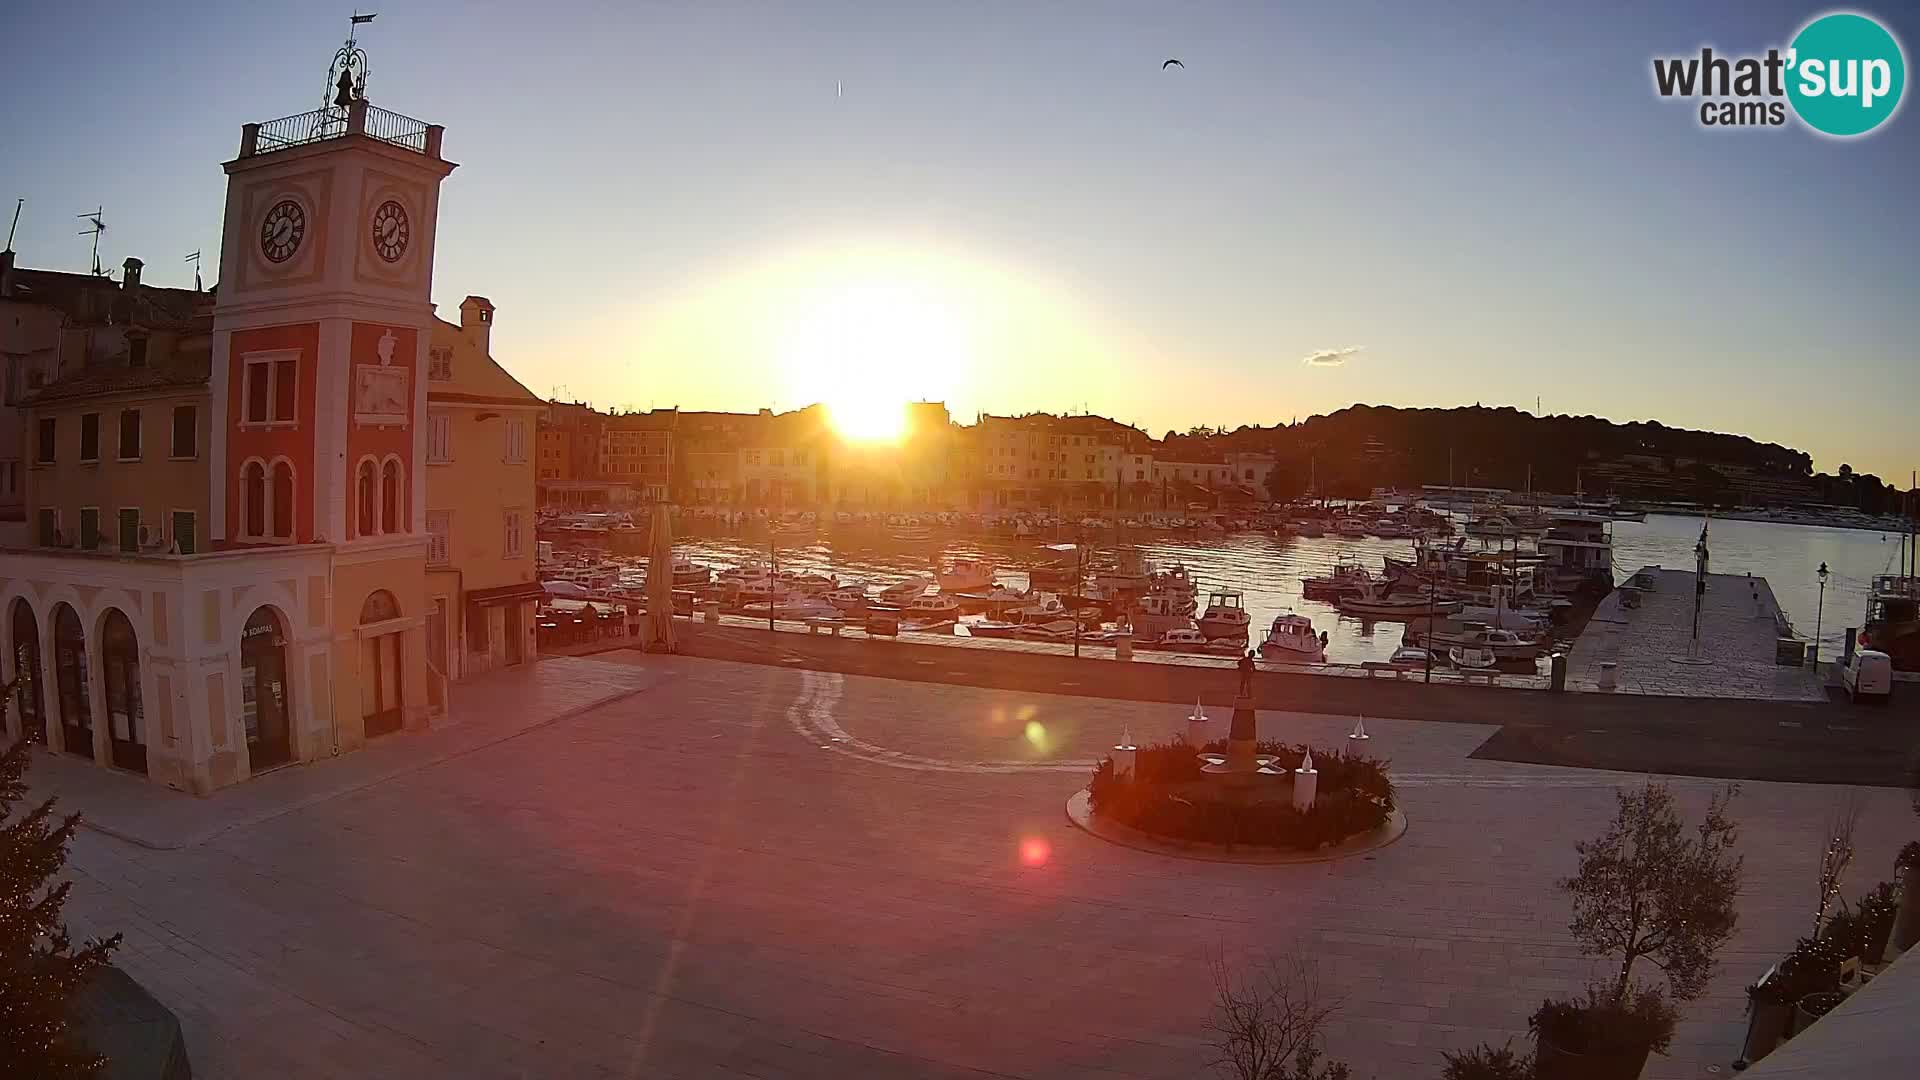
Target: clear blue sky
(1494, 207)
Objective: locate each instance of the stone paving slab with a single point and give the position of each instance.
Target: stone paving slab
(744, 870)
(480, 712)
(1739, 623)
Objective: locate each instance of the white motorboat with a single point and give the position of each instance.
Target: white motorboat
(1472, 659)
(1350, 526)
(963, 575)
(848, 597)
(1309, 528)
(1406, 656)
(689, 573)
(1188, 639)
(992, 628)
(902, 593)
(761, 593)
(1051, 630)
(806, 584)
(998, 599)
(1291, 637)
(1226, 615)
(1503, 644)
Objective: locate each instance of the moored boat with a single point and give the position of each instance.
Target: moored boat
(1291, 637)
(1226, 615)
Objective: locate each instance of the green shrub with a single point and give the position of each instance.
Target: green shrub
(1603, 1023)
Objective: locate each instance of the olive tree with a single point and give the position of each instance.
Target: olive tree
(1650, 889)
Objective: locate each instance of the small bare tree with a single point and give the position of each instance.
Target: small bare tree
(1835, 858)
(1269, 1021)
(1647, 890)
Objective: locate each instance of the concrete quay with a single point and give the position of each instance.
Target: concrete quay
(1740, 621)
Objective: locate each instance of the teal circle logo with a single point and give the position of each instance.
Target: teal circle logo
(1846, 74)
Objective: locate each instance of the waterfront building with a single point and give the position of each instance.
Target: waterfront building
(481, 584)
(638, 449)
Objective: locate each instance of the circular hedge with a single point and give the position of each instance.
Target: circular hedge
(1167, 797)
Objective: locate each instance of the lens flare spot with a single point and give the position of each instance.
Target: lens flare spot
(1037, 735)
(998, 717)
(1035, 851)
(1027, 712)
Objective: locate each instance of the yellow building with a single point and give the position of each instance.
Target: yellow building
(481, 584)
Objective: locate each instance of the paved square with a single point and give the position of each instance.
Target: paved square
(741, 870)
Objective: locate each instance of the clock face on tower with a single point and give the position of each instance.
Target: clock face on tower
(282, 230)
(391, 231)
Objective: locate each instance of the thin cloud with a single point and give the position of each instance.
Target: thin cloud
(1329, 357)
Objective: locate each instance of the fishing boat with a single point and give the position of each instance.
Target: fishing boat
(1154, 614)
(1310, 529)
(936, 606)
(1472, 659)
(1291, 637)
(1350, 526)
(1051, 630)
(1173, 580)
(992, 628)
(1188, 639)
(962, 575)
(901, 593)
(1042, 608)
(1226, 615)
(795, 608)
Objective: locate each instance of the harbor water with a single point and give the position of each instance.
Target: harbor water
(1268, 569)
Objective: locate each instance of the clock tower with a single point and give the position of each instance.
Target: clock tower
(319, 359)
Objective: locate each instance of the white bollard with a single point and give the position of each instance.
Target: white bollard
(1197, 726)
(1606, 674)
(1123, 755)
(1306, 783)
(713, 612)
(1123, 648)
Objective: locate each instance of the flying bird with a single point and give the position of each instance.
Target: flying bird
(1171, 63)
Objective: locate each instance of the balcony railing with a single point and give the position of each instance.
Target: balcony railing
(334, 122)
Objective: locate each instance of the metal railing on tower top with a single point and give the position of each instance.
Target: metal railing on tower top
(334, 122)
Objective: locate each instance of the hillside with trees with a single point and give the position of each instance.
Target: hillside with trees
(1361, 447)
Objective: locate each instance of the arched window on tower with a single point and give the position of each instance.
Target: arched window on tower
(392, 506)
(364, 499)
(253, 500)
(283, 500)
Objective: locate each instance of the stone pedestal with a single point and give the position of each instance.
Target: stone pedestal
(1241, 759)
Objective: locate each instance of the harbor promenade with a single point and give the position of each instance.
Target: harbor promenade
(1804, 741)
(669, 867)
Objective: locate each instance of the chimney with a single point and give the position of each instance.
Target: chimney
(476, 321)
(131, 278)
(6, 272)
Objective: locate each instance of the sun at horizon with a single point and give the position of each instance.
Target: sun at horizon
(865, 348)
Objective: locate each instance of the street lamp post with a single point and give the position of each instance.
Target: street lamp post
(1818, 613)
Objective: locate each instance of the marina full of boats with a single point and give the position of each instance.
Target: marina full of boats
(1492, 598)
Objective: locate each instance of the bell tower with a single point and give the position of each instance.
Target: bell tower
(321, 326)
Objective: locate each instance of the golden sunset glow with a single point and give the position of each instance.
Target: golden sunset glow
(866, 347)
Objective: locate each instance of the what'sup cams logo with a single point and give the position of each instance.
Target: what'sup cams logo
(1843, 75)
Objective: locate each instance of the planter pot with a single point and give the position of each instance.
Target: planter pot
(1803, 1017)
(1906, 925)
(1766, 1028)
(1553, 1063)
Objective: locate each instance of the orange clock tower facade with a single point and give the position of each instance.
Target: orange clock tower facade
(317, 387)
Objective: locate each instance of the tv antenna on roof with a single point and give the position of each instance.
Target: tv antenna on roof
(195, 260)
(99, 225)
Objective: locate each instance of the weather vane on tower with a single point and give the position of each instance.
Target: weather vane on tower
(347, 76)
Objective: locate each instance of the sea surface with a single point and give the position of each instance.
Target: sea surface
(1267, 570)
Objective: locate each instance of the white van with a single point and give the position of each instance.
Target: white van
(1868, 675)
